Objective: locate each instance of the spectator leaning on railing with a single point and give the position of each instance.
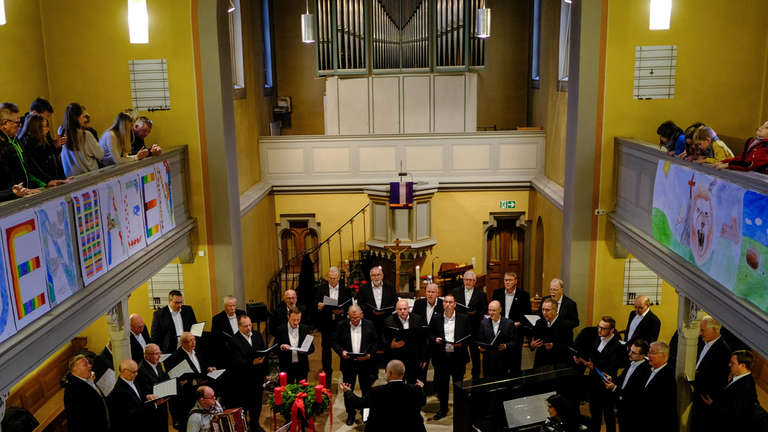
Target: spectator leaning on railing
(706, 138)
(81, 152)
(116, 142)
(671, 137)
(15, 179)
(40, 153)
(755, 154)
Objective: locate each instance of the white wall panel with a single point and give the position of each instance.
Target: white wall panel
(386, 105)
(471, 157)
(378, 159)
(330, 159)
(353, 106)
(424, 158)
(517, 156)
(331, 105)
(416, 103)
(449, 103)
(285, 161)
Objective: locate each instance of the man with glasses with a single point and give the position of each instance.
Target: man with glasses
(605, 358)
(659, 393)
(127, 409)
(168, 323)
(141, 128)
(150, 373)
(550, 337)
(15, 179)
(474, 303)
(205, 408)
(626, 389)
(567, 310)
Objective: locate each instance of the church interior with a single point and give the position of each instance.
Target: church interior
(532, 150)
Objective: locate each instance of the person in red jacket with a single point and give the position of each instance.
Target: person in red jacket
(755, 154)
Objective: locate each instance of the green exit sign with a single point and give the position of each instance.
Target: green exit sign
(508, 204)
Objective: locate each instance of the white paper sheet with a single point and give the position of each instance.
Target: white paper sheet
(533, 319)
(330, 301)
(164, 357)
(180, 369)
(165, 388)
(216, 374)
(197, 329)
(106, 382)
(304, 346)
(366, 411)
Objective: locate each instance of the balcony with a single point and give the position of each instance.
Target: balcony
(43, 333)
(637, 163)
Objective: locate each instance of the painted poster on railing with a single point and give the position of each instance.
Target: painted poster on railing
(133, 216)
(715, 225)
(153, 219)
(7, 323)
(61, 270)
(90, 242)
(163, 172)
(23, 260)
(115, 241)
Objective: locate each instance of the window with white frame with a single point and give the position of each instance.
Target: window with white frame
(236, 45)
(565, 41)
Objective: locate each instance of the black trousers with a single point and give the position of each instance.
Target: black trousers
(351, 373)
(474, 354)
(296, 372)
(447, 366)
(601, 405)
(329, 334)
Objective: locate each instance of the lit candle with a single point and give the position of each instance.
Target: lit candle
(473, 262)
(319, 393)
(321, 378)
(283, 379)
(418, 280)
(278, 395)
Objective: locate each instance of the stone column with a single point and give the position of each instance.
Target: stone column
(688, 319)
(117, 321)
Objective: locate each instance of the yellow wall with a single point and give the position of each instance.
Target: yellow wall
(23, 73)
(552, 223)
(548, 106)
(259, 249)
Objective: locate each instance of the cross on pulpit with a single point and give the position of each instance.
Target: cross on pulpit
(397, 250)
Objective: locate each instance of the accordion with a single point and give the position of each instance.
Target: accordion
(231, 420)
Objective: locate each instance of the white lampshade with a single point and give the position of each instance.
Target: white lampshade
(307, 28)
(661, 10)
(138, 21)
(483, 23)
(2, 12)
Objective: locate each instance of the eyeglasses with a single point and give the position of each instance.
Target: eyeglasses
(16, 122)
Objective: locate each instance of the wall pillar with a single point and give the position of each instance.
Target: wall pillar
(117, 323)
(688, 319)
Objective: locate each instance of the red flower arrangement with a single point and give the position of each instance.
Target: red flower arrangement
(355, 286)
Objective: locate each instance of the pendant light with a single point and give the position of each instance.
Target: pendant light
(483, 22)
(661, 10)
(138, 21)
(307, 27)
(2, 12)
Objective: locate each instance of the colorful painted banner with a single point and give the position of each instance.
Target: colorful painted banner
(715, 225)
(87, 208)
(116, 241)
(61, 270)
(163, 176)
(22, 256)
(153, 218)
(7, 323)
(133, 216)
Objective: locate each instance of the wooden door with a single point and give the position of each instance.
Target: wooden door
(295, 240)
(504, 248)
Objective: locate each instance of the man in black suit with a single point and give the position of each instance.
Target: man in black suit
(474, 303)
(223, 327)
(642, 323)
(711, 372)
(659, 393)
(127, 410)
(496, 339)
(329, 317)
(139, 337)
(393, 406)
(405, 338)
(377, 299)
(103, 361)
(626, 389)
(428, 307)
(733, 405)
(168, 323)
(449, 356)
(515, 305)
(356, 336)
(150, 373)
(292, 335)
(84, 405)
(249, 369)
(567, 311)
(188, 383)
(279, 316)
(550, 337)
(606, 356)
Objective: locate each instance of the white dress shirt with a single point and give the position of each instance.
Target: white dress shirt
(653, 374)
(131, 385)
(630, 371)
(468, 296)
(603, 342)
(378, 292)
(508, 300)
(495, 325)
(404, 323)
(233, 323)
(293, 336)
(635, 322)
(193, 358)
(559, 303)
(333, 292)
(430, 311)
(176, 317)
(247, 337)
(449, 331)
(140, 339)
(737, 377)
(705, 350)
(549, 324)
(356, 335)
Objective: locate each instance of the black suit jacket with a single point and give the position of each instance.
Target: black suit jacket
(568, 314)
(367, 302)
(164, 332)
(326, 320)
(733, 406)
(279, 317)
(647, 330)
(137, 352)
(285, 356)
(146, 379)
(507, 333)
(85, 407)
(249, 377)
(102, 362)
(628, 398)
(560, 335)
(220, 323)
(127, 411)
(461, 330)
(477, 304)
(415, 338)
(608, 362)
(659, 398)
(343, 342)
(420, 309)
(712, 373)
(180, 355)
(393, 406)
(521, 304)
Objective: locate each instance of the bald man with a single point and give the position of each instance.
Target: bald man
(406, 340)
(642, 323)
(497, 341)
(150, 373)
(279, 316)
(139, 337)
(127, 411)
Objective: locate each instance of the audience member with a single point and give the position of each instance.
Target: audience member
(671, 137)
(733, 406)
(692, 151)
(626, 389)
(81, 153)
(515, 305)
(142, 126)
(127, 410)
(15, 179)
(659, 394)
(290, 338)
(205, 408)
(405, 339)
(139, 337)
(116, 142)
(328, 317)
(755, 154)
(711, 372)
(84, 404)
(449, 353)
(249, 369)
(567, 311)
(168, 323)
(279, 316)
(706, 138)
(393, 406)
(642, 323)
(356, 337)
(475, 303)
(551, 337)
(41, 156)
(559, 418)
(497, 338)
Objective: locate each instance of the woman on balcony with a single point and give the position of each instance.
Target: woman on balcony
(116, 142)
(40, 152)
(81, 153)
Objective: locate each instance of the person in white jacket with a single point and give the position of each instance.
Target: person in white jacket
(81, 152)
(115, 142)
